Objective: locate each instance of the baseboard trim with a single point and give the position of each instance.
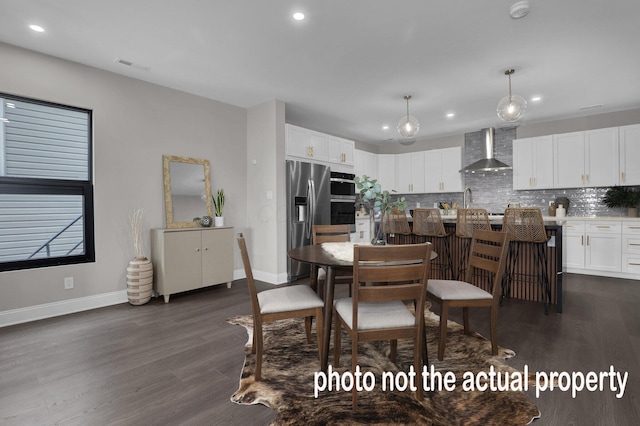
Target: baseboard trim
(65, 307)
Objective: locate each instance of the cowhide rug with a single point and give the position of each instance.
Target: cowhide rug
(289, 364)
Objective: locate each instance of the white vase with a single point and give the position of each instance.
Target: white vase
(139, 281)
(218, 220)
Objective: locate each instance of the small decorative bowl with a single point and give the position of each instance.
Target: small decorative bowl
(206, 221)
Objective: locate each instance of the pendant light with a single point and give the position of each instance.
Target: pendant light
(511, 107)
(408, 126)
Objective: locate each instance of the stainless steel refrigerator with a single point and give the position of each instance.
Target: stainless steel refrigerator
(308, 203)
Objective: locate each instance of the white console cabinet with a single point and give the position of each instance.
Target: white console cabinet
(187, 259)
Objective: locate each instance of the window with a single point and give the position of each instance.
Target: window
(46, 188)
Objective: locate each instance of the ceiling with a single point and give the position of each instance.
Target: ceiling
(345, 69)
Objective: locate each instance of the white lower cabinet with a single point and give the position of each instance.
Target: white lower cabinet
(593, 247)
(363, 229)
(603, 247)
(573, 245)
(187, 259)
(631, 248)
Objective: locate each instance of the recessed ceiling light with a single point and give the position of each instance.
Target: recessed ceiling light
(536, 99)
(298, 16)
(385, 127)
(36, 28)
(450, 115)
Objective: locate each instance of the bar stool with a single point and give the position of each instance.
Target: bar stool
(467, 222)
(427, 225)
(396, 227)
(525, 226)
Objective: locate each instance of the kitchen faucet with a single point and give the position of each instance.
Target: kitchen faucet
(464, 197)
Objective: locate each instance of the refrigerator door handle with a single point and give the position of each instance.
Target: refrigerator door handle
(310, 207)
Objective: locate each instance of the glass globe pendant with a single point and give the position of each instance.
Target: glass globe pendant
(511, 107)
(408, 126)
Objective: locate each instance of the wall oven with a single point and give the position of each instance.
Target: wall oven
(343, 199)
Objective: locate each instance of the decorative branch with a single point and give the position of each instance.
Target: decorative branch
(136, 219)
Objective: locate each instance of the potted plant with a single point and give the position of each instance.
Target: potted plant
(218, 205)
(378, 201)
(621, 196)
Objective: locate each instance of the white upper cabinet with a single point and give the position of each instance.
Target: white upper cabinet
(630, 155)
(568, 160)
(586, 159)
(602, 157)
(387, 172)
(533, 163)
(442, 170)
(318, 147)
(410, 173)
(297, 142)
(341, 151)
(366, 164)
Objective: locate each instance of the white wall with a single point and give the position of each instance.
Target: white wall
(135, 123)
(266, 203)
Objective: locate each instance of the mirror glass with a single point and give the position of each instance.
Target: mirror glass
(187, 191)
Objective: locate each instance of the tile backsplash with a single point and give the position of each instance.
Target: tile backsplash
(493, 191)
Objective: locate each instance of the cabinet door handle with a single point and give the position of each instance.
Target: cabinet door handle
(581, 240)
(587, 240)
(206, 248)
(633, 244)
(582, 179)
(634, 264)
(587, 179)
(634, 227)
(622, 176)
(198, 250)
(603, 226)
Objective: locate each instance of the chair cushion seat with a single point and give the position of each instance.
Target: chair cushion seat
(372, 315)
(342, 275)
(290, 298)
(456, 290)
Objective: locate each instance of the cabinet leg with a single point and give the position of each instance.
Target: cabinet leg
(166, 298)
(229, 284)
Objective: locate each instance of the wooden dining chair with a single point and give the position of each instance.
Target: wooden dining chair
(332, 234)
(396, 228)
(379, 312)
(487, 253)
(297, 301)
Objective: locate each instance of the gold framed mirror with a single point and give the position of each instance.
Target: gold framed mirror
(187, 190)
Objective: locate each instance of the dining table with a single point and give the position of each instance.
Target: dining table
(317, 256)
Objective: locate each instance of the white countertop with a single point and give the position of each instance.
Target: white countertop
(566, 218)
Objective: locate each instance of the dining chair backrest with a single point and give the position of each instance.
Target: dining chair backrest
(524, 224)
(330, 233)
(488, 253)
(407, 266)
(470, 220)
(253, 293)
(428, 222)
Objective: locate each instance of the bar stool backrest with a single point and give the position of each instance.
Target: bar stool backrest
(428, 222)
(396, 222)
(524, 224)
(470, 220)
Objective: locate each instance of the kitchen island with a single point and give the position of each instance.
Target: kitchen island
(523, 287)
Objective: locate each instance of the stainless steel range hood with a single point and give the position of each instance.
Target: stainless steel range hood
(487, 164)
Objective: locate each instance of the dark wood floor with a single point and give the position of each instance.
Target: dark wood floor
(178, 363)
